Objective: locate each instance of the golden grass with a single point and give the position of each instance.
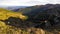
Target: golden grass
(5, 14)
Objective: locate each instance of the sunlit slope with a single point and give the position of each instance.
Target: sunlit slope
(7, 29)
(5, 14)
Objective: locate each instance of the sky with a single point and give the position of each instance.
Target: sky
(27, 2)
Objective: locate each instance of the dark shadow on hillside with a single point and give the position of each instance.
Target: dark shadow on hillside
(13, 21)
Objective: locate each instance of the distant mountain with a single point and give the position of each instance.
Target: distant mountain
(36, 9)
(26, 9)
(13, 7)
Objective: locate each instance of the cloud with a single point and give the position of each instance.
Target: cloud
(13, 2)
(26, 2)
(36, 2)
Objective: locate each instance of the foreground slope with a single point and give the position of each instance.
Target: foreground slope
(7, 29)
